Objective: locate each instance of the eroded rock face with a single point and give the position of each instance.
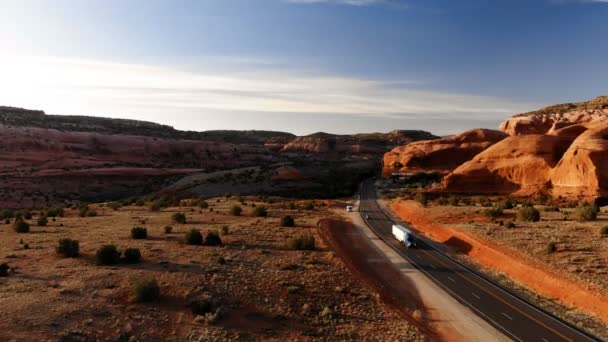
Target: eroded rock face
(441, 155)
(518, 164)
(556, 117)
(583, 170)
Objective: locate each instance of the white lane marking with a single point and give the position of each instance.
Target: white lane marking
(544, 339)
(476, 296)
(509, 317)
(451, 279)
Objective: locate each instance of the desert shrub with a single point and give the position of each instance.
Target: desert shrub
(443, 201)
(604, 230)
(421, 198)
(21, 226)
(225, 230)
(132, 255)
(139, 233)
(453, 201)
(55, 212)
(168, 229)
(140, 202)
(26, 214)
(221, 260)
(107, 255)
(236, 210)
(213, 238)
(91, 213)
(506, 204)
(586, 212)
(551, 247)
(7, 214)
(510, 225)
(203, 204)
(146, 290)
(302, 242)
(4, 270)
(309, 206)
(551, 208)
(493, 213)
(528, 213)
(288, 221)
(260, 211)
(485, 202)
(68, 248)
(201, 306)
(42, 221)
(115, 205)
(194, 237)
(179, 218)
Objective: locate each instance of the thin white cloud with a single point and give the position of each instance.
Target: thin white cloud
(155, 93)
(398, 3)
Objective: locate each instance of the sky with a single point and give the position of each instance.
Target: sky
(303, 66)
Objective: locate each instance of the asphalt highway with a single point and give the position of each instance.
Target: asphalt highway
(516, 318)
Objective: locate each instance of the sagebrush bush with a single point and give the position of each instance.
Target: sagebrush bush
(168, 229)
(225, 230)
(551, 247)
(115, 205)
(201, 306)
(260, 211)
(7, 214)
(236, 210)
(56, 211)
(288, 221)
(146, 290)
(21, 226)
(302, 242)
(213, 238)
(309, 206)
(203, 204)
(139, 233)
(493, 213)
(107, 255)
(510, 225)
(132, 255)
(506, 204)
(586, 212)
(179, 218)
(194, 237)
(68, 248)
(453, 201)
(421, 198)
(528, 213)
(604, 230)
(42, 221)
(4, 270)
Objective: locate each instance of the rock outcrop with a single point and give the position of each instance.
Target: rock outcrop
(558, 116)
(440, 155)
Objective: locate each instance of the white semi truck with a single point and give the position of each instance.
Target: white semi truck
(404, 235)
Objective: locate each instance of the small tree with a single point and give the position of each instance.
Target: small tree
(288, 221)
(107, 255)
(179, 218)
(42, 221)
(21, 226)
(68, 248)
(528, 213)
(260, 211)
(586, 212)
(132, 255)
(194, 237)
(604, 230)
(236, 210)
(146, 290)
(139, 233)
(213, 238)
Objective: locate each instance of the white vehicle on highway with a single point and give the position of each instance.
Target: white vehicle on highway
(349, 208)
(404, 235)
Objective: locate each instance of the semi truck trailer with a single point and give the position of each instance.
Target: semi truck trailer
(404, 235)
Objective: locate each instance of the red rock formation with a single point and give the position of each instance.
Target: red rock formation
(442, 155)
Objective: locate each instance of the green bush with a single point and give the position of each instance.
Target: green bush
(146, 290)
(302, 242)
(107, 255)
(114, 205)
(528, 213)
(604, 230)
(213, 238)
(4, 268)
(55, 212)
(586, 212)
(551, 247)
(225, 230)
(506, 204)
(260, 212)
(7, 214)
(493, 213)
(26, 214)
(132, 255)
(139, 233)
(21, 226)
(179, 218)
(91, 213)
(68, 248)
(201, 306)
(510, 225)
(194, 237)
(288, 221)
(42, 221)
(168, 229)
(236, 210)
(203, 204)
(140, 202)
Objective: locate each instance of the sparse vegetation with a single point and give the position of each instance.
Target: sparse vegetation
(493, 213)
(604, 231)
(194, 237)
(236, 210)
(201, 306)
(179, 218)
(453, 201)
(107, 255)
(68, 248)
(21, 226)
(139, 233)
(132, 255)
(510, 225)
(586, 212)
(168, 229)
(213, 238)
(260, 211)
(302, 242)
(42, 221)
(288, 221)
(421, 198)
(551, 247)
(4, 268)
(146, 290)
(114, 205)
(225, 230)
(55, 212)
(528, 213)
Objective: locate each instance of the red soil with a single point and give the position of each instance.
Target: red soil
(518, 267)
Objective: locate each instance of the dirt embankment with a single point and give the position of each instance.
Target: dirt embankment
(356, 252)
(518, 267)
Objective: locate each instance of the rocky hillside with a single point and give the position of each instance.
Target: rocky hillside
(560, 151)
(52, 159)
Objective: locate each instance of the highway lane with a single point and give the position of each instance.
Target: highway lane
(516, 318)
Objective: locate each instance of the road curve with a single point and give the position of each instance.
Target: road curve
(516, 318)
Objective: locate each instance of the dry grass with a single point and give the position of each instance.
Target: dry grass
(259, 288)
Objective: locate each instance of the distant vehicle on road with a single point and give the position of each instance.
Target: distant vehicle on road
(404, 235)
(367, 217)
(349, 208)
